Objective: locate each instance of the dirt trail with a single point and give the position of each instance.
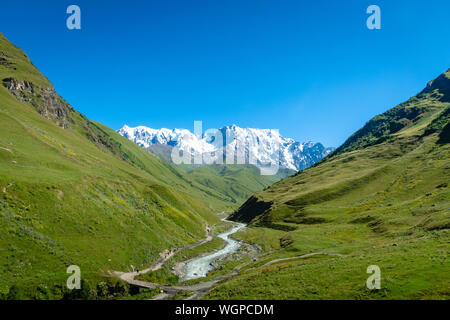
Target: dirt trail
(164, 256)
(199, 289)
(302, 257)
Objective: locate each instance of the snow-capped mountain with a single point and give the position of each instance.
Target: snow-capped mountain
(249, 145)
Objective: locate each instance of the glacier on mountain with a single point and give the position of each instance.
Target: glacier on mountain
(262, 145)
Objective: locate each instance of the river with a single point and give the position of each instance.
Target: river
(199, 267)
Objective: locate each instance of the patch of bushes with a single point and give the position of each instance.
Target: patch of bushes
(286, 241)
(366, 219)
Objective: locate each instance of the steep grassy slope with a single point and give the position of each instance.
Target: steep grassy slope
(384, 151)
(235, 182)
(75, 192)
(214, 195)
(382, 198)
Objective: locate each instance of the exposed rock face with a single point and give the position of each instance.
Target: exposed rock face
(51, 106)
(19, 88)
(31, 87)
(45, 100)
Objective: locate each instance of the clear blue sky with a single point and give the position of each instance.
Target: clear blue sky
(309, 68)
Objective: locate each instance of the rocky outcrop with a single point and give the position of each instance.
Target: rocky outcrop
(30, 88)
(51, 106)
(45, 100)
(13, 84)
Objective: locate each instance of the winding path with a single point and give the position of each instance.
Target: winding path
(164, 256)
(302, 257)
(199, 289)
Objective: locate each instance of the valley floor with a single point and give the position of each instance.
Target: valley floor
(410, 269)
(186, 289)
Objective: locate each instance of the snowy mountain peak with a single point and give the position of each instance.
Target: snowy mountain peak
(261, 145)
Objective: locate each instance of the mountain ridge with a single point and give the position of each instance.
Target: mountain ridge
(258, 143)
(381, 199)
(419, 117)
(74, 191)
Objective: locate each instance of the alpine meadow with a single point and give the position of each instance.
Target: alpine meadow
(293, 201)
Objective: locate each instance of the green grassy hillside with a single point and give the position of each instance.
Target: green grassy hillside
(73, 191)
(381, 198)
(235, 182)
(213, 195)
